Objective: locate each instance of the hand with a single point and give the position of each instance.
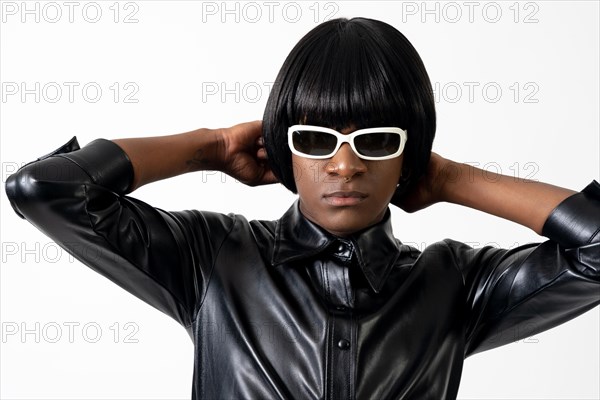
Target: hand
(428, 189)
(245, 157)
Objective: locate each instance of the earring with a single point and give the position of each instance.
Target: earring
(404, 177)
(398, 184)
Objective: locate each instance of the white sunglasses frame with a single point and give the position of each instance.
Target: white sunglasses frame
(349, 138)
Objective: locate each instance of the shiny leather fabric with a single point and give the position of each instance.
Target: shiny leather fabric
(283, 310)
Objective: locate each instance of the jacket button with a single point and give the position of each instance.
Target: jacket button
(343, 344)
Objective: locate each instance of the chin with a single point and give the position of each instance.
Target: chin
(342, 221)
(346, 225)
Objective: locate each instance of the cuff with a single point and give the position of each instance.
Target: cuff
(576, 220)
(106, 164)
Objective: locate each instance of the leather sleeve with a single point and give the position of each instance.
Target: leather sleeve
(515, 293)
(77, 197)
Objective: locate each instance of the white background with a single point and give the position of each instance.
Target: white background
(171, 58)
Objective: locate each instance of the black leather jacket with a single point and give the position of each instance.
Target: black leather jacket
(283, 310)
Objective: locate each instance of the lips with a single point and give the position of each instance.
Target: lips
(345, 198)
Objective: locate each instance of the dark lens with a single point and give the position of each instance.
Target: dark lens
(314, 143)
(377, 144)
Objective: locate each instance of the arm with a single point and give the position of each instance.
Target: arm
(513, 294)
(237, 151)
(77, 198)
(525, 202)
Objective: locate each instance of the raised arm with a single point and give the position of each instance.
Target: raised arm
(76, 196)
(237, 151)
(525, 202)
(513, 294)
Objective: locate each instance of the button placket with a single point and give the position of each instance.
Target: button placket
(342, 324)
(339, 294)
(342, 359)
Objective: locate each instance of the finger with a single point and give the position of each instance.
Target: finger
(261, 154)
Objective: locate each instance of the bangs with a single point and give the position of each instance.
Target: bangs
(342, 82)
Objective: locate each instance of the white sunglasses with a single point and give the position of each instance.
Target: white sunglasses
(369, 144)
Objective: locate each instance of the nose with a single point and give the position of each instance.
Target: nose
(345, 163)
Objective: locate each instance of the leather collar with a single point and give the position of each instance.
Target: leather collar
(298, 238)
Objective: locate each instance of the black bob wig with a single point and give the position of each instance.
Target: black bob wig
(361, 73)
